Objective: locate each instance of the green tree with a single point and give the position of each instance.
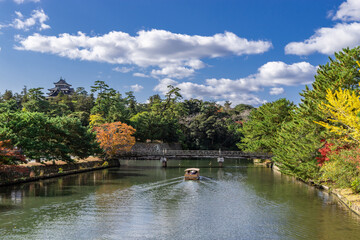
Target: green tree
(7, 95)
(109, 103)
(36, 101)
(299, 140)
(39, 136)
(206, 126)
(264, 123)
(9, 106)
(147, 125)
(80, 141)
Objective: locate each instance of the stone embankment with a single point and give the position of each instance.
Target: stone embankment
(349, 199)
(11, 174)
(345, 196)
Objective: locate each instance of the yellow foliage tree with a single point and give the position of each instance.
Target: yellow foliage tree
(343, 109)
(115, 137)
(96, 120)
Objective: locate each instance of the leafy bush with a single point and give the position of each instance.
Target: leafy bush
(343, 169)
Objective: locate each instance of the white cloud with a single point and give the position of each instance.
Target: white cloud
(25, 1)
(123, 69)
(37, 18)
(143, 75)
(280, 73)
(177, 55)
(19, 14)
(209, 91)
(276, 91)
(163, 83)
(195, 64)
(271, 74)
(136, 87)
(173, 71)
(348, 11)
(328, 40)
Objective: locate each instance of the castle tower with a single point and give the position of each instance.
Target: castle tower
(61, 86)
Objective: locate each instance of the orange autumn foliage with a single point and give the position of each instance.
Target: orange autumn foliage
(9, 154)
(115, 137)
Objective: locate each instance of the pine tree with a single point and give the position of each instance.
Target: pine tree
(263, 125)
(299, 140)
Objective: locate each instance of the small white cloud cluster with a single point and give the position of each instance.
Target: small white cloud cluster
(25, 1)
(172, 55)
(136, 87)
(276, 91)
(123, 69)
(37, 18)
(271, 74)
(143, 75)
(330, 40)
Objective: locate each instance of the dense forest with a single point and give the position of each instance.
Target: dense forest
(316, 140)
(65, 126)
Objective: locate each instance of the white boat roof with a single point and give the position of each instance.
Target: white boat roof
(192, 169)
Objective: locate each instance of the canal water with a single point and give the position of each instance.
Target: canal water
(141, 200)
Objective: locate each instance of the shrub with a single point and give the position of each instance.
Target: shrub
(343, 168)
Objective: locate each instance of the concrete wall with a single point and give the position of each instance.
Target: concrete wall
(10, 174)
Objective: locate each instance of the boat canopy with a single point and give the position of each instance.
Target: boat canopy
(192, 169)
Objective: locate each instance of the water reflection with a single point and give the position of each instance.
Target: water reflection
(145, 201)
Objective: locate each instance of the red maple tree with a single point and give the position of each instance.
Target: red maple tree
(10, 154)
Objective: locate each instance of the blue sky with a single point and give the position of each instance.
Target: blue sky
(242, 51)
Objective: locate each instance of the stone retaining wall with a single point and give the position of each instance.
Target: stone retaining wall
(345, 196)
(11, 174)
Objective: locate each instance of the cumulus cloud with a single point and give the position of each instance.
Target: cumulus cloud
(123, 69)
(280, 73)
(328, 40)
(276, 91)
(348, 11)
(143, 75)
(25, 1)
(175, 55)
(173, 71)
(37, 18)
(136, 87)
(271, 74)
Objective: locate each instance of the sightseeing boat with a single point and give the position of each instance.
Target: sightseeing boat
(192, 174)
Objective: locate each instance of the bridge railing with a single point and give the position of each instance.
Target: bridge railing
(208, 153)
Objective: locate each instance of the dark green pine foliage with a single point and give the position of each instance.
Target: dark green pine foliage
(299, 140)
(263, 125)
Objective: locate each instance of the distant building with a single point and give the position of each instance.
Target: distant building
(61, 86)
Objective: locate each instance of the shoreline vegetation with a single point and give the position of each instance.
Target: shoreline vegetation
(34, 171)
(316, 141)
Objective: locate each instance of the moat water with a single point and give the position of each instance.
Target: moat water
(141, 200)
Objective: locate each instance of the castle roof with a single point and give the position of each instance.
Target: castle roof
(61, 86)
(62, 82)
